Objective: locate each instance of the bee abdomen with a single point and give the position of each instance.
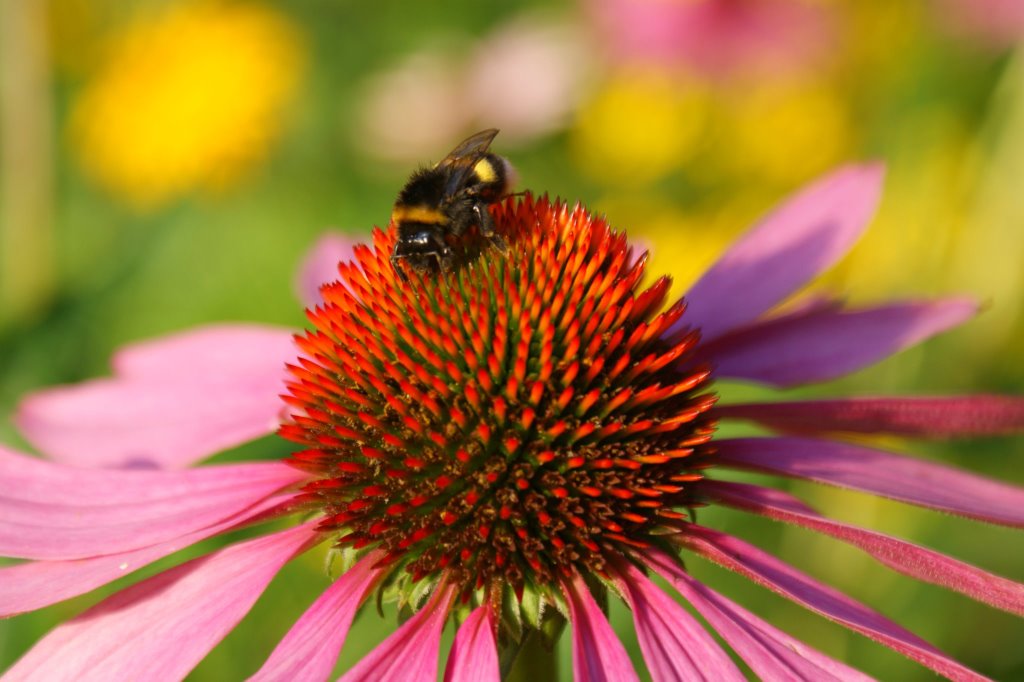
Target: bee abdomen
(425, 215)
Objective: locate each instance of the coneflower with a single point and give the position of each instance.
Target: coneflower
(502, 446)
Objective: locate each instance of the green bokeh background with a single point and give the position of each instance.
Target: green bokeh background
(945, 112)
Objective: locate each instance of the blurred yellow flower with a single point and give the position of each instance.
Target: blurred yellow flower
(685, 241)
(189, 97)
(782, 133)
(639, 127)
(693, 240)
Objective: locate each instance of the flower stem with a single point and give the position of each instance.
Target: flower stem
(532, 661)
(26, 177)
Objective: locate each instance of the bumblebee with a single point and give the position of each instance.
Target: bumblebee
(438, 208)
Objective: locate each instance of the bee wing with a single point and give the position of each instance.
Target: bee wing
(464, 157)
(469, 151)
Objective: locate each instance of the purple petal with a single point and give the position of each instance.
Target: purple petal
(773, 655)
(310, 649)
(819, 345)
(905, 557)
(172, 402)
(164, 625)
(674, 644)
(881, 473)
(597, 654)
(411, 652)
(945, 417)
(804, 236)
(51, 511)
(474, 654)
(766, 570)
(320, 266)
(33, 585)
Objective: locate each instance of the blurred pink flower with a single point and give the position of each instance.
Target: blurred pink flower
(321, 265)
(412, 109)
(993, 23)
(528, 76)
(531, 423)
(718, 38)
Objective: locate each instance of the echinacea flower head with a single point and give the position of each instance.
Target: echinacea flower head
(190, 98)
(526, 419)
(502, 445)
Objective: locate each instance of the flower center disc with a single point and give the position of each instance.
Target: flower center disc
(514, 421)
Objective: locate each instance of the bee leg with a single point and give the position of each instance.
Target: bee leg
(498, 242)
(484, 219)
(397, 265)
(445, 260)
(486, 223)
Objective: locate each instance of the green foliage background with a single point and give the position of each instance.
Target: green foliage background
(121, 274)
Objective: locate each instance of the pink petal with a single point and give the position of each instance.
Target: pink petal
(164, 625)
(804, 236)
(320, 266)
(597, 654)
(49, 511)
(411, 652)
(675, 645)
(474, 654)
(773, 655)
(310, 649)
(881, 473)
(767, 571)
(33, 585)
(905, 557)
(946, 417)
(825, 344)
(226, 348)
(173, 401)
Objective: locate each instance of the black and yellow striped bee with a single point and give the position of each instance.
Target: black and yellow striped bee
(440, 205)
